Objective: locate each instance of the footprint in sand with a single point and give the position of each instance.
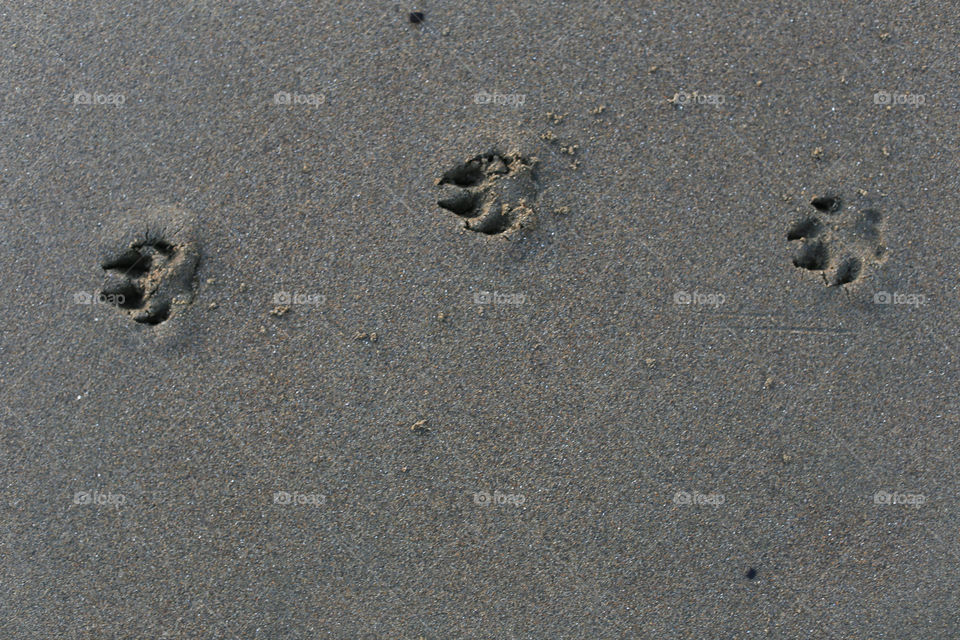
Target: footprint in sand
(494, 193)
(838, 242)
(150, 273)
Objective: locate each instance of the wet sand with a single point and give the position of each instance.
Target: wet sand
(624, 412)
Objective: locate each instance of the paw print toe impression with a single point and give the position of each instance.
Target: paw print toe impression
(493, 192)
(838, 243)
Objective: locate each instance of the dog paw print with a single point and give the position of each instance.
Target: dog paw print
(494, 193)
(151, 275)
(837, 242)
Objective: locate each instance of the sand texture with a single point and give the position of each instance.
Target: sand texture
(514, 320)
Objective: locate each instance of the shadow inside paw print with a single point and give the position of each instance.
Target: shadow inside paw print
(151, 274)
(493, 192)
(838, 243)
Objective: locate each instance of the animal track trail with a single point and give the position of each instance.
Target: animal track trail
(839, 243)
(149, 275)
(494, 193)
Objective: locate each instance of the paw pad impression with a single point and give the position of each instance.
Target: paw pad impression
(493, 192)
(838, 243)
(150, 274)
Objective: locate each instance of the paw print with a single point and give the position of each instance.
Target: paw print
(493, 192)
(150, 275)
(838, 243)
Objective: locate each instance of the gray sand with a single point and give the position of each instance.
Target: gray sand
(628, 404)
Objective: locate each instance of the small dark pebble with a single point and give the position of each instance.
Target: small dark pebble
(416, 17)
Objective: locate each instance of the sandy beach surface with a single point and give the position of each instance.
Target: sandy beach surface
(677, 358)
